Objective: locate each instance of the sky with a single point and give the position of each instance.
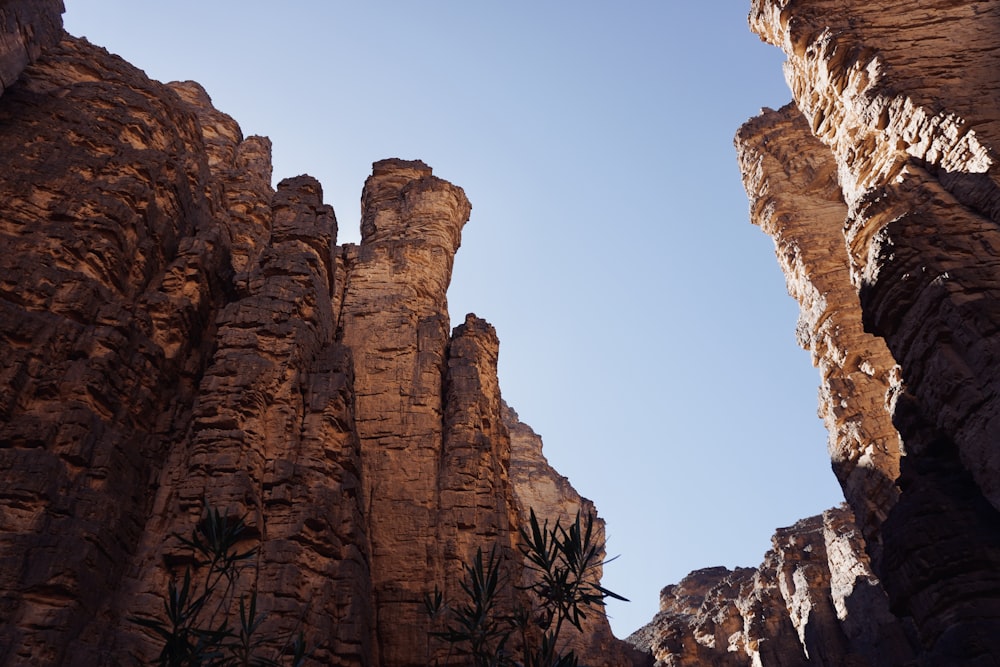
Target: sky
(645, 330)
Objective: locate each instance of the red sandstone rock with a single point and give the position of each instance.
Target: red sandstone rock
(27, 27)
(176, 336)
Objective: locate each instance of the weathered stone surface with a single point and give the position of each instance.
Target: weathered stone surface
(107, 211)
(898, 100)
(539, 487)
(394, 317)
(176, 335)
(791, 180)
(813, 601)
(26, 28)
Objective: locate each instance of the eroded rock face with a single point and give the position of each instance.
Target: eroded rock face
(539, 487)
(26, 28)
(879, 185)
(813, 601)
(176, 335)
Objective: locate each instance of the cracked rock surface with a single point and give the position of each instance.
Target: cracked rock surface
(177, 335)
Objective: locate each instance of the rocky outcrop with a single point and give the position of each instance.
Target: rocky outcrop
(26, 28)
(177, 335)
(111, 278)
(879, 186)
(813, 601)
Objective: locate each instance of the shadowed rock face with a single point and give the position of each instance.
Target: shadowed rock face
(898, 100)
(175, 334)
(879, 186)
(26, 28)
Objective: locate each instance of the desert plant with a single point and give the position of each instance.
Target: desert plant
(476, 624)
(562, 587)
(198, 628)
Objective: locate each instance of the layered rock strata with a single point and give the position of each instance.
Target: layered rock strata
(176, 335)
(813, 601)
(879, 186)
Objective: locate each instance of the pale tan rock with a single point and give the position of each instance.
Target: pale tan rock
(540, 488)
(812, 601)
(790, 178)
(900, 98)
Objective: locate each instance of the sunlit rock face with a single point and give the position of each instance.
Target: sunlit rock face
(879, 186)
(813, 601)
(176, 334)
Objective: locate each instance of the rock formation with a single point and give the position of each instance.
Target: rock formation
(879, 186)
(813, 601)
(540, 487)
(176, 335)
(26, 28)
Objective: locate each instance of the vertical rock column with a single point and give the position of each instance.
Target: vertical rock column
(273, 439)
(476, 508)
(790, 178)
(394, 318)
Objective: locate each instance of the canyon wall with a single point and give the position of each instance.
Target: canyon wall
(813, 601)
(177, 335)
(879, 185)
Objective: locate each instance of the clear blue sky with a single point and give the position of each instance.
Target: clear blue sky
(644, 325)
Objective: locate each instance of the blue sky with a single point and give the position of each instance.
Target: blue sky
(645, 329)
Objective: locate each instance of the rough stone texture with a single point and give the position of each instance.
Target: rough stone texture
(898, 100)
(26, 28)
(813, 601)
(795, 199)
(177, 335)
(109, 285)
(539, 487)
(394, 317)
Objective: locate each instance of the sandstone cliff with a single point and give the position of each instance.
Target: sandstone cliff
(879, 186)
(813, 601)
(176, 335)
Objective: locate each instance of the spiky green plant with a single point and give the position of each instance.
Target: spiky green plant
(197, 628)
(563, 589)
